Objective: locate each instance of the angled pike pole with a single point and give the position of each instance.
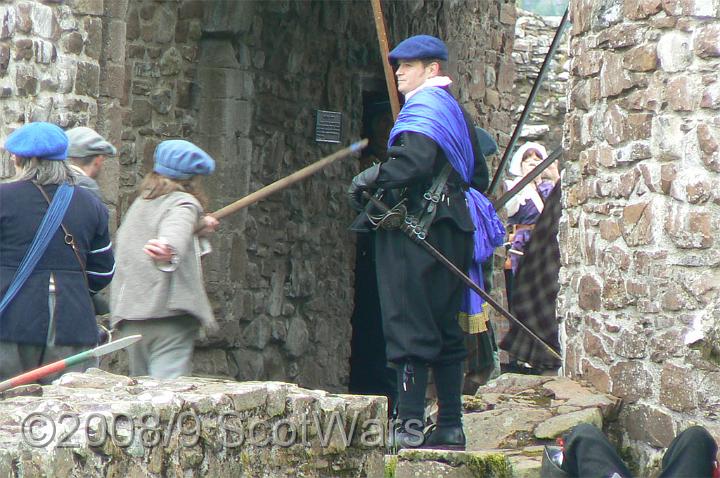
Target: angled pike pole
(527, 179)
(384, 49)
(280, 184)
(528, 104)
(60, 365)
(437, 255)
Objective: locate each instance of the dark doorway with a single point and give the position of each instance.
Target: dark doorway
(369, 373)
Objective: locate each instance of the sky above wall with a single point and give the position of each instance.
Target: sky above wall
(544, 7)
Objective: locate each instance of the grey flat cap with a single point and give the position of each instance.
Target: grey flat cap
(85, 142)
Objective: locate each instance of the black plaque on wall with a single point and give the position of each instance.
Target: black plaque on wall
(328, 126)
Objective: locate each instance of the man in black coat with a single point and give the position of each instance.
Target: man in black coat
(419, 298)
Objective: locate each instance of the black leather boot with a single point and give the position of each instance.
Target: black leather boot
(408, 429)
(448, 433)
(445, 438)
(408, 435)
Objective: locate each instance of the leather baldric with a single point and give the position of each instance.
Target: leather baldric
(69, 238)
(431, 199)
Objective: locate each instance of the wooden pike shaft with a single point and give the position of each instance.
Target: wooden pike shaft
(288, 180)
(384, 50)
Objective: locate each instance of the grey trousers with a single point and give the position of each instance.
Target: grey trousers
(166, 348)
(16, 359)
(20, 358)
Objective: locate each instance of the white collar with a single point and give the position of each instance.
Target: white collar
(434, 81)
(77, 169)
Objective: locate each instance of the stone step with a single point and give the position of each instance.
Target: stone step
(447, 464)
(522, 463)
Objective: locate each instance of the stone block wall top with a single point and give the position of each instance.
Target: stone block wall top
(124, 427)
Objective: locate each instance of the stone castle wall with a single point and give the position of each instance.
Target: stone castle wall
(243, 80)
(639, 288)
(98, 424)
(533, 36)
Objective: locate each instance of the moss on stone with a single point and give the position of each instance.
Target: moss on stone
(626, 454)
(472, 403)
(480, 464)
(390, 465)
(245, 460)
(494, 465)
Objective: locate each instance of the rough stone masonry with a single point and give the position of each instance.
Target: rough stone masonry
(243, 80)
(639, 278)
(100, 424)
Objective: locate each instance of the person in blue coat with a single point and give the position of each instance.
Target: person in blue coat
(52, 315)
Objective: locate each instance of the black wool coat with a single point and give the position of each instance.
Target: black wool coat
(26, 318)
(419, 297)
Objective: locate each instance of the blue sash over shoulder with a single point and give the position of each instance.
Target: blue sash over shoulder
(434, 112)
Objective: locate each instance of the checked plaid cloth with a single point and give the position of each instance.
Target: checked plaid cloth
(535, 291)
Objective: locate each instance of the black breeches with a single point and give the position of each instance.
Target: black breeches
(419, 297)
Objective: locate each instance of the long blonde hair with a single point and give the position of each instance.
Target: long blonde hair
(155, 185)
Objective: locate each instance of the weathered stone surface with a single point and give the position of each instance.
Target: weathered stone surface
(621, 36)
(688, 7)
(640, 58)
(649, 424)
(533, 34)
(560, 424)
(632, 343)
(4, 59)
(26, 81)
(708, 138)
(221, 427)
(637, 224)
(641, 9)
(162, 100)
(681, 93)
(87, 79)
(447, 464)
(613, 77)
(689, 230)
(614, 293)
(518, 412)
(711, 96)
(513, 383)
(678, 390)
(87, 7)
(171, 62)
(674, 52)
(44, 22)
(706, 42)
(502, 428)
(589, 293)
(631, 381)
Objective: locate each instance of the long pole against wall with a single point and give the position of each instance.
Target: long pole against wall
(382, 40)
(528, 104)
